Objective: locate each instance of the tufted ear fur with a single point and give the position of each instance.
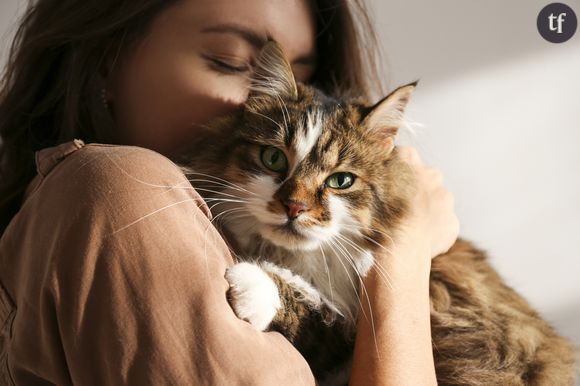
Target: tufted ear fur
(386, 116)
(272, 75)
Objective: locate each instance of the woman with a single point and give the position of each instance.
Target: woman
(110, 277)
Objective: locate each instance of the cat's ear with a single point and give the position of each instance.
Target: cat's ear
(272, 75)
(386, 116)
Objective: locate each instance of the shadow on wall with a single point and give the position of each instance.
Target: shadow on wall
(449, 37)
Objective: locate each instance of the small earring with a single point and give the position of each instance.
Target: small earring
(104, 99)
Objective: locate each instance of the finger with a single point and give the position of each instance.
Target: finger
(410, 154)
(435, 176)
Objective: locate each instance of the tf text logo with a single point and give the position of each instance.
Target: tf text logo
(557, 22)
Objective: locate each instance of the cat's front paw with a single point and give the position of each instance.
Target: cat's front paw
(253, 295)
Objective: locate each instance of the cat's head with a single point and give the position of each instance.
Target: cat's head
(300, 169)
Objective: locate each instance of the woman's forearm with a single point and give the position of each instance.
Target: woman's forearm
(396, 350)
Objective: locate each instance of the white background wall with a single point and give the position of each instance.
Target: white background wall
(9, 12)
(501, 113)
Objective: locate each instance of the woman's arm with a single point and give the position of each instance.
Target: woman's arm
(118, 279)
(395, 349)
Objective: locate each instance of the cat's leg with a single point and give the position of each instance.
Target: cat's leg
(302, 304)
(272, 298)
(253, 294)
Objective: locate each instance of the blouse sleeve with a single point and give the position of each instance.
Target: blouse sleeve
(121, 282)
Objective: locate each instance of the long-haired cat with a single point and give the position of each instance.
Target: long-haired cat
(308, 187)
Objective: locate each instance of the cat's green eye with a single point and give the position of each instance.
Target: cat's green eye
(274, 159)
(341, 180)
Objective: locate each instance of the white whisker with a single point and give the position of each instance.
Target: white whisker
(365, 293)
(346, 271)
(216, 183)
(383, 273)
(372, 229)
(327, 273)
(152, 213)
(169, 187)
(230, 184)
(268, 118)
(225, 200)
(218, 192)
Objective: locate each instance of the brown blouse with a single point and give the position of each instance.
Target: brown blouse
(112, 274)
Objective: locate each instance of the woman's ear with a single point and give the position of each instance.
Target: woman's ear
(386, 116)
(272, 75)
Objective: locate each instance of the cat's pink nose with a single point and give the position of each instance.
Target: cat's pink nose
(295, 208)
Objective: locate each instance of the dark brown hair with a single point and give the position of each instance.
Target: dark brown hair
(49, 93)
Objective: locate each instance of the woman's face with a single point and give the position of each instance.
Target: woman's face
(193, 65)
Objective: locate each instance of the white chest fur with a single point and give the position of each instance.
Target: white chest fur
(335, 271)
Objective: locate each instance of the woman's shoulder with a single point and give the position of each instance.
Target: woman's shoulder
(105, 162)
(111, 178)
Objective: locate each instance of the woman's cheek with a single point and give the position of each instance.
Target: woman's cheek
(229, 89)
(195, 103)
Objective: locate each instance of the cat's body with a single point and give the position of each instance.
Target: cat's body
(307, 188)
(484, 333)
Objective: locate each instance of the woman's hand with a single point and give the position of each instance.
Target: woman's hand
(431, 222)
(395, 348)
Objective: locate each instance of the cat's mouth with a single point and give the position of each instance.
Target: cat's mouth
(289, 235)
(290, 227)
(290, 231)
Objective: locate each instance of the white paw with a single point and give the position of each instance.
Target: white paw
(253, 294)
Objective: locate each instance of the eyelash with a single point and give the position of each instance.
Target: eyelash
(226, 67)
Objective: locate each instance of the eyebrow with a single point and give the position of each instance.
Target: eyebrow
(253, 38)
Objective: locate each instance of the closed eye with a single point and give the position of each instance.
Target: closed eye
(227, 67)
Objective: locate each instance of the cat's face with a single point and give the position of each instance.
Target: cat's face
(307, 169)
